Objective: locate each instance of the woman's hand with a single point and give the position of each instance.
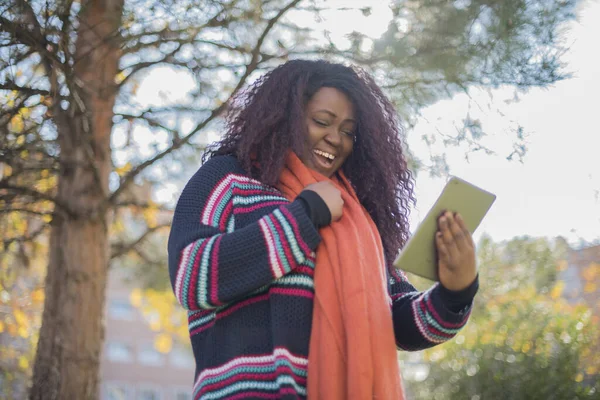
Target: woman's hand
(457, 267)
(331, 196)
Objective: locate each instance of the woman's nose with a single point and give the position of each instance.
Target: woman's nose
(333, 137)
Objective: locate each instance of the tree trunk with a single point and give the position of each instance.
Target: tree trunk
(68, 354)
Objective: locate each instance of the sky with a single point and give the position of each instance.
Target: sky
(553, 192)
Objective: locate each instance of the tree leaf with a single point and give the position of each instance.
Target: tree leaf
(163, 343)
(16, 124)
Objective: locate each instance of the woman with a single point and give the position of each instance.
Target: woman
(281, 246)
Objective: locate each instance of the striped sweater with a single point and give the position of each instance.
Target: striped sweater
(241, 261)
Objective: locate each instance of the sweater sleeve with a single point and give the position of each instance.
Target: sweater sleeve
(425, 319)
(211, 263)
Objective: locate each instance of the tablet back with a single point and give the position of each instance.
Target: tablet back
(471, 202)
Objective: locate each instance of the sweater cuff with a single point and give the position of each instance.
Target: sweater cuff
(456, 301)
(315, 207)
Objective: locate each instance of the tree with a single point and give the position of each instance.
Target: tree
(524, 341)
(21, 300)
(69, 74)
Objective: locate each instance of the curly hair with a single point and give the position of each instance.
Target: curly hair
(268, 119)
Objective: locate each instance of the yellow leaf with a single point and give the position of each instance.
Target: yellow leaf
(46, 184)
(22, 331)
(557, 290)
(579, 377)
(117, 227)
(163, 343)
(136, 298)
(25, 112)
(6, 170)
(37, 296)
(486, 338)
(47, 218)
(152, 204)
(589, 287)
(120, 77)
(591, 272)
(23, 362)
(39, 70)
(150, 217)
(20, 317)
(20, 225)
(16, 124)
(1, 326)
(591, 370)
(123, 169)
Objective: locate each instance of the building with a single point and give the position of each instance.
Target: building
(582, 279)
(131, 368)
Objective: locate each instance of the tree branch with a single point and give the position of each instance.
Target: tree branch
(127, 179)
(25, 238)
(145, 258)
(162, 110)
(32, 38)
(26, 211)
(10, 85)
(168, 35)
(151, 122)
(26, 191)
(133, 203)
(252, 65)
(66, 23)
(168, 58)
(120, 249)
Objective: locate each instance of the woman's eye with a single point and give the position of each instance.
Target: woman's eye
(348, 133)
(321, 123)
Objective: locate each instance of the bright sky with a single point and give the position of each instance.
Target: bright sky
(554, 192)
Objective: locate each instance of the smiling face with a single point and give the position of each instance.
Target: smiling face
(331, 128)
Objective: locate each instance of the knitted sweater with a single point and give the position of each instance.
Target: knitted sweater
(241, 261)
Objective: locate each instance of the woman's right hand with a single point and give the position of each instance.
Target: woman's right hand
(331, 196)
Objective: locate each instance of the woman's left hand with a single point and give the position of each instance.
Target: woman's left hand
(457, 267)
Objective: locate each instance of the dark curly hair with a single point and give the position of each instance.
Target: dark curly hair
(268, 119)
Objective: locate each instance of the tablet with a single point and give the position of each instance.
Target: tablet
(419, 254)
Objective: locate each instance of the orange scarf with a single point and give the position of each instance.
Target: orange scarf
(352, 352)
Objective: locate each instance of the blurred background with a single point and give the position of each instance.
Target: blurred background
(107, 106)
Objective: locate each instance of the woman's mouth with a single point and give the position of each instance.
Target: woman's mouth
(324, 159)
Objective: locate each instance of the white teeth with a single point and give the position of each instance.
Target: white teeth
(325, 154)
